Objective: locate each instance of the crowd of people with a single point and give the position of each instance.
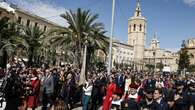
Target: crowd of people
(58, 88)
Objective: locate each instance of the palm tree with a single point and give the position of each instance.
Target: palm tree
(32, 35)
(96, 41)
(9, 40)
(60, 40)
(82, 27)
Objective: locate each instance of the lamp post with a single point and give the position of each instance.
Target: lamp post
(110, 46)
(154, 54)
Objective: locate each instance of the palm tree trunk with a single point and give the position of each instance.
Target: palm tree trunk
(88, 60)
(30, 56)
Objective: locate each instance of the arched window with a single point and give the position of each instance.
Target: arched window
(134, 27)
(140, 27)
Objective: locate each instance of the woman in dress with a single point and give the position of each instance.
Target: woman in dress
(111, 88)
(33, 99)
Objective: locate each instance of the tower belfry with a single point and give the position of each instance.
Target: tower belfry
(137, 35)
(155, 42)
(138, 10)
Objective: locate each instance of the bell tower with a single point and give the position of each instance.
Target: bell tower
(137, 35)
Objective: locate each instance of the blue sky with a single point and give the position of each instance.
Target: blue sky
(173, 20)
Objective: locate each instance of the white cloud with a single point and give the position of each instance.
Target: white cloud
(44, 10)
(189, 2)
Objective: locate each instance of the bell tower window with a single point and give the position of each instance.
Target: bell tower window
(140, 27)
(134, 27)
(138, 13)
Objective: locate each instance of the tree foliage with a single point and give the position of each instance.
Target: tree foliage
(184, 59)
(8, 40)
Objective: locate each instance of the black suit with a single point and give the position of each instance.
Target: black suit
(152, 106)
(162, 105)
(129, 104)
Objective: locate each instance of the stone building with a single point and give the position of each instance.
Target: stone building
(137, 30)
(20, 16)
(122, 54)
(137, 35)
(154, 55)
(23, 17)
(190, 47)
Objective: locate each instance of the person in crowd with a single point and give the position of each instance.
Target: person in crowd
(87, 89)
(56, 78)
(180, 96)
(68, 91)
(97, 92)
(48, 90)
(111, 88)
(130, 100)
(158, 97)
(33, 99)
(13, 89)
(120, 82)
(170, 100)
(147, 103)
(191, 94)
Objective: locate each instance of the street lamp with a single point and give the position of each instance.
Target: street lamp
(154, 54)
(112, 29)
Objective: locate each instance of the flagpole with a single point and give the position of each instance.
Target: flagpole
(111, 36)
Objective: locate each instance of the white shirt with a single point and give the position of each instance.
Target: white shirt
(88, 89)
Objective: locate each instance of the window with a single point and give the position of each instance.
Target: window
(45, 28)
(0, 12)
(36, 24)
(134, 27)
(19, 19)
(28, 22)
(140, 27)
